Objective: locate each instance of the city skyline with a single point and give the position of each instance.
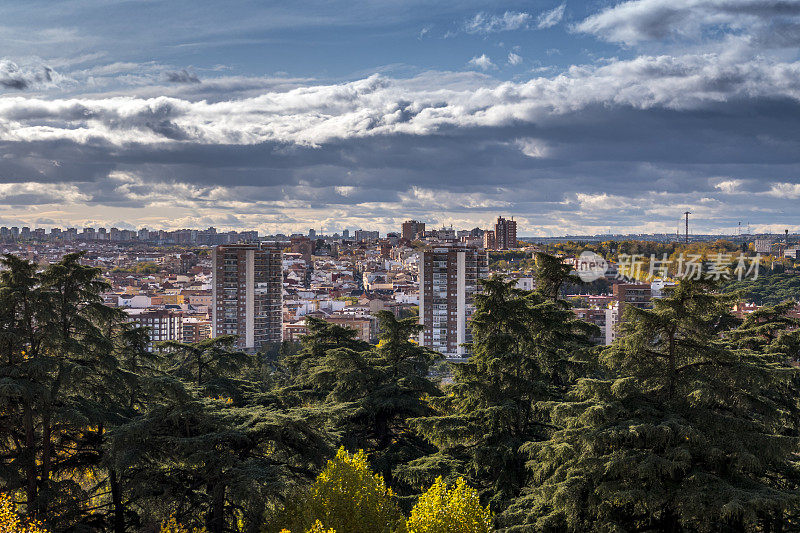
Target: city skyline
(113, 233)
(574, 117)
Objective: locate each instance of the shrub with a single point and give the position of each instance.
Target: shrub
(444, 509)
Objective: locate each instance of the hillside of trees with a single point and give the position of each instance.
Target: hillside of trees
(689, 422)
(770, 288)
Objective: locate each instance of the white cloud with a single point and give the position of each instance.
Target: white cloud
(483, 23)
(600, 202)
(374, 106)
(789, 191)
(33, 75)
(510, 20)
(344, 190)
(417, 144)
(425, 198)
(548, 19)
(729, 186)
(771, 22)
(482, 62)
(40, 193)
(514, 59)
(535, 148)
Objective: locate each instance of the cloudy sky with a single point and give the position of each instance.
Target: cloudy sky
(576, 117)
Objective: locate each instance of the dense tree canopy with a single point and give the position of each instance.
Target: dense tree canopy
(686, 429)
(768, 289)
(687, 423)
(525, 349)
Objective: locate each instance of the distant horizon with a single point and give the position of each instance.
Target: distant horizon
(397, 230)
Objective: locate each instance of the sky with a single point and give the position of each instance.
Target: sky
(577, 117)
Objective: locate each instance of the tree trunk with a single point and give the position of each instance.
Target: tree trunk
(116, 501)
(30, 453)
(46, 460)
(215, 520)
(672, 365)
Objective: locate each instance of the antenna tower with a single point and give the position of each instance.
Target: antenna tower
(687, 213)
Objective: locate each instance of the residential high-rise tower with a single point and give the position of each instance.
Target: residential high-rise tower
(247, 291)
(448, 281)
(411, 229)
(505, 234)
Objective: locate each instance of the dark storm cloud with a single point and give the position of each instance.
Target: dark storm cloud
(12, 76)
(620, 150)
(181, 76)
(14, 83)
(651, 20)
(628, 140)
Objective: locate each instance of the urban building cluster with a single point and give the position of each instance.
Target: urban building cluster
(190, 285)
(208, 236)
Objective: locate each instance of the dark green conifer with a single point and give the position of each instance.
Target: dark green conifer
(551, 274)
(523, 348)
(682, 432)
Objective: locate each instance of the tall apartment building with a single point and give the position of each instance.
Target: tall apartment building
(366, 235)
(598, 318)
(196, 329)
(488, 240)
(448, 281)
(625, 294)
(304, 246)
(505, 234)
(635, 294)
(412, 228)
(763, 246)
(163, 324)
(247, 291)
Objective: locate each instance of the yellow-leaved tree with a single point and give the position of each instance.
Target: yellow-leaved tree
(346, 497)
(316, 528)
(172, 526)
(444, 509)
(10, 521)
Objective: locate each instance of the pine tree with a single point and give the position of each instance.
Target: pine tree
(122, 388)
(681, 432)
(368, 393)
(311, 375)
(212, 448)
(523, 350)
(212, 365)
(54, 350)
(770, 329)
(323, 336)
(551, 274)
(401, 393)
(22, 376)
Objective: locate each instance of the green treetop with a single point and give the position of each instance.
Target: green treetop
(680, 433)
(523, 348)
